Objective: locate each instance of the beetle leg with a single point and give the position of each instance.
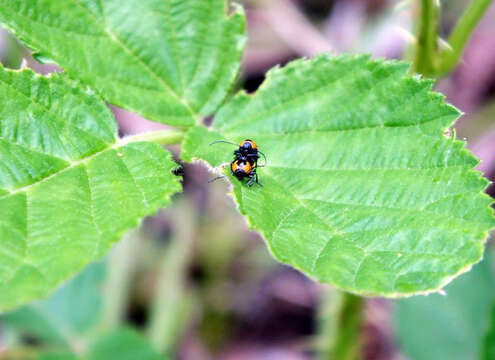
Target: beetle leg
(255, 174)
(251, 179)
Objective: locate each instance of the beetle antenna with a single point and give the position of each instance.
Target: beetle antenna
(264, 157)
(217, 178)
(222, 141)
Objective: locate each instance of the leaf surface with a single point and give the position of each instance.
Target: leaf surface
(362, 189)
(68, 187)
(56, 355)
(448, 326)
(171, 61)
(122, 344)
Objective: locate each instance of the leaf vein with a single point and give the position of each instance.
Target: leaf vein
(368, 169)
(91, 212)
(138, 188)
(382, 207)
(55, 117)
(145, 65)
(26, 188)
(260, 116)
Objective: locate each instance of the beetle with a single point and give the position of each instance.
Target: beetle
(242, 169)
(247, 151)
(245, 161)
(178, 170)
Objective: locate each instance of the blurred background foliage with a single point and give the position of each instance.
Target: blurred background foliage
(193, 283)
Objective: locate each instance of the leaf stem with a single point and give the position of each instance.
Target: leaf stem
(460, 34)
(160, 137)
(424, 60)
(120, 267)
(341, 317)
(171, 303)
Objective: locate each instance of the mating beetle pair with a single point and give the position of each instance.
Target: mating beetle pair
(245, 161)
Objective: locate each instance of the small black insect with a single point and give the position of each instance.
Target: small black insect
(178, 170)
(245, 161)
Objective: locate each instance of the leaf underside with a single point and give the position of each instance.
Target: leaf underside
(174, 67)
(72, 315)
(68, 315)
(452, 326)
(362, 188)
(68, 188)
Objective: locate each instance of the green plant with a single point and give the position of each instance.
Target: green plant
(364, 189)
(432, 59)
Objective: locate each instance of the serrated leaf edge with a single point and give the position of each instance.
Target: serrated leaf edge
(237, 11)
(439, 97)
(139, 218)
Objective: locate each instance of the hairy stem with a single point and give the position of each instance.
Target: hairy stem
(341, 317)
(460, 34)
(170, 302)
(424, 60)
(161, 137)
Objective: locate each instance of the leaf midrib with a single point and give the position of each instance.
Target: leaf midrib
(146, 66)
(55, 116)
(426, 168)
(70, 165)
(337, 130)
(302, 201)
(337, 232)
(260, 116)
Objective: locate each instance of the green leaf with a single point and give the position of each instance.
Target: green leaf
(56, 355)
(488, 352)
(171, 61)
(68, 187)
(451, 326)
(122, 344)
(362, 189)
(70, 312)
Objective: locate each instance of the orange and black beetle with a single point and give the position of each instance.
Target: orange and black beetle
(244, 169)
(245, 161)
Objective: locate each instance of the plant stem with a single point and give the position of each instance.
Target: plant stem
(170, 302)
(461, 32)
(120, 267)
(424, 60)
(160, 137)
(341, 317)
